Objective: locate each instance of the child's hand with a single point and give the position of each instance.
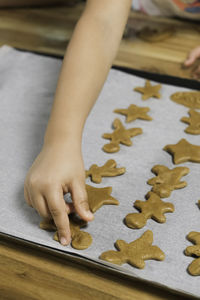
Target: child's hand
(192, 58)
(56, 171)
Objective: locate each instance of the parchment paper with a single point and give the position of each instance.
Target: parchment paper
(27, 86)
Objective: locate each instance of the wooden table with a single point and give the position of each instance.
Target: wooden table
(29, 272)
(48, 30)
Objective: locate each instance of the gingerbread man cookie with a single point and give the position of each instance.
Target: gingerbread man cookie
(184, 151)
(193, 121)
(167, 180)
(153, 208)
(194, 267)
(134, 112)
(100, 196)
(80, 240)
(134, 253)
(188, 99)
(107, 170)
(120, 135)
(149, 90)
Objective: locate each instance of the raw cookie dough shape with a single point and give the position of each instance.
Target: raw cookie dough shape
(149, 90)
(48, 225)
(119, 135)
(100, 196)
(134, 112)
(167, 180)
(80, 240)
(183, 151)
(193, 121)
(194, 267)
(109, 169)
(155, 35)
(153, 208)
(134, 253)
(188, 99)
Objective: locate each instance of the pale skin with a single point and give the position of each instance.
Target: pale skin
(192, 57)
(59, 167)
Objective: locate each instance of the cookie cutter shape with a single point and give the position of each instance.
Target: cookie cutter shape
(183, 151)
(80, 239)
(167, 180)
(119, 135)
(188, 99)
(153, 208)
(194, 267)
(193, 121)
(134, 253)
(109, 169)
(149, 90)
(98, 197)
(134, 112)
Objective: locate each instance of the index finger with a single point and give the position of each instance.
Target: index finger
(57, 207)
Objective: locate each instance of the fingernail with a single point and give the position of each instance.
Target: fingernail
(63, 241)
(89, 214)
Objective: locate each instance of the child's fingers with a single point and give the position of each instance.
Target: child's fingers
(193, 55)
(39, 203)
(57, 207)
(70, 208)
(80, 200)
(27, 197)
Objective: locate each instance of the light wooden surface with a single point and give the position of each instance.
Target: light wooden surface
(48, 30)
(165, 57)
(27, 273)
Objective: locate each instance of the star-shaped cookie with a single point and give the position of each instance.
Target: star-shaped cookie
(193, 121)
(183, 151)
(149, 90)
(100, 196)
(134, 112)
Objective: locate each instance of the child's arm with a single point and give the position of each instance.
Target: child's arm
(59, 166)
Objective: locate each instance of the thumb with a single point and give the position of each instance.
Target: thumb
(80, 200)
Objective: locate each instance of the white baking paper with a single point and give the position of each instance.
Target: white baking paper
(27, 86)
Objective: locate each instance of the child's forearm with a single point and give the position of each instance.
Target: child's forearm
(87, 61)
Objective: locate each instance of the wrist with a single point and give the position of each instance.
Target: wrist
(65, 140)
